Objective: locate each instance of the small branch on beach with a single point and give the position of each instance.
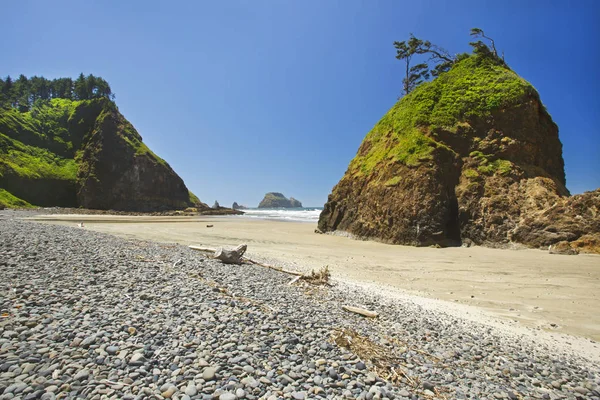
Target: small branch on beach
(361, 311)
(290, 283)
(205, 249)
(286, 271)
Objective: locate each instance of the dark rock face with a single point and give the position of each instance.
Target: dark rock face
(278, 200)
(91, 157)
(572, 219)
(42, 192)
(407, 213)
(493, 178)
(116, 177)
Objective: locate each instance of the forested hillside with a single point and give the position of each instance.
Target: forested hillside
(63, 142)
(24, 92)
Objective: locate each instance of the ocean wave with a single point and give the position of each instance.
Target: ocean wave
(280, 214)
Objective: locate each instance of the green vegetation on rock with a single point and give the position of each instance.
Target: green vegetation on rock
(472, 89)
(462, 158)
(65, 143)
(490, 167)
(9, 200)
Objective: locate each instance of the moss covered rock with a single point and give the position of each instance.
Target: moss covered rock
(84, 153)
(465, 157)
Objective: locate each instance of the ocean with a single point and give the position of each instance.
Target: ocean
(304, 214)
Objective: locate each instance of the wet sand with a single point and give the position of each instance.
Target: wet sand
(528, 288)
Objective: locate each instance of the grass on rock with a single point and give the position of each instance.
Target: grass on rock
(473, 88)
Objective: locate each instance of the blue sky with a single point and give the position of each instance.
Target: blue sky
(246, 97)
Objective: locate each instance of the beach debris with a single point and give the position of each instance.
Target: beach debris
(296, 278)
(81, 225)
(382, 360)
(361, 311)
(285, 271)
(247, 260)
(209, 225)
(204, 249)
(231, 256)
(321, 277)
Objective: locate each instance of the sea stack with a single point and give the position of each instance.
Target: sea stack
(470, 157)
(237, 206)
(278, 200)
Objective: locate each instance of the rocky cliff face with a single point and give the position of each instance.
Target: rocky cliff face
(278, 200)
(85, 153)
(472, 156)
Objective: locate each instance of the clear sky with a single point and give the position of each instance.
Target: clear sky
(246, 97)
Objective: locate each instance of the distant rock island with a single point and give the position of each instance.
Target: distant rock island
(278, 200)
(64, 143)
(470, 157)
(236, 206)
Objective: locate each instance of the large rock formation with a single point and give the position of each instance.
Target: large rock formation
(472, 156)
(278, 200)
(84, 153)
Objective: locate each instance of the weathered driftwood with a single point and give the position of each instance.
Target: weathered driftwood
(211, 250)
(361, 311)
(231, 256)
(286, 271)
(199, 248)
(290, 283)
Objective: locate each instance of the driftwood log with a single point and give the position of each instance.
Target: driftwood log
(214, 251)
(200, 248)
(361, 311)
(231, 256)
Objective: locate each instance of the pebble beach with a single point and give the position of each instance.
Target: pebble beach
(93, 316)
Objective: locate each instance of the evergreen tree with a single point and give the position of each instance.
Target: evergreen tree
(80, 88)
(419, 73)
(6, 94)
(22, 93)
(416, 75)
(481, 49)
(405, 50)
(440, 59)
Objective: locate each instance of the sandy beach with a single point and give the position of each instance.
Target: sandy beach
(528, 288)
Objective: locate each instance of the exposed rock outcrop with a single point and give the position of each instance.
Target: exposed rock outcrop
(278, 200)
(295, 203)
(86, 154)
(236, 206)
(472, 156)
